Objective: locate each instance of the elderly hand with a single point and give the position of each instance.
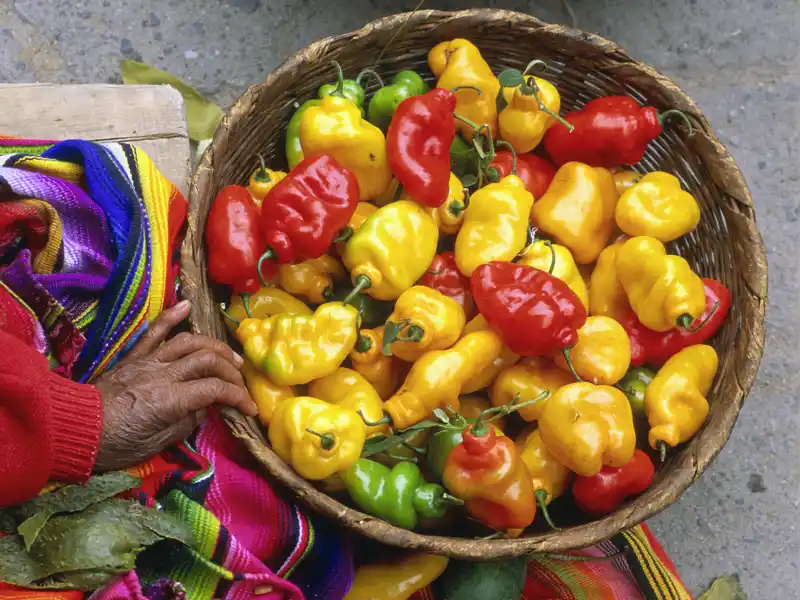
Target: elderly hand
(157, 394)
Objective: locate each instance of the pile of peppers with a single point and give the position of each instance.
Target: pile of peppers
(458, 304)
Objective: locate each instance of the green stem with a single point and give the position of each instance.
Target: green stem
(451, 500)
(372, 73)
(266, 256)
(339, 91)
(505, 144)
(662, 450)
(541, 499)
(568, 358)
(537, 64)
(674, 112)
(475, 127)
(222, 308)
(345, 233)
(362, 283)
(326, 440)
(385, 420)
(262, 174)
(466, 87)
(549, 244)
(685, 321)
(530, 88)
(246, 304)
(363, 344)
(456, 208)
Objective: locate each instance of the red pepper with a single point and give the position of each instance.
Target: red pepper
(235, 240)
(600, 494)
(656, 347)
(536, 172)
(307, 209)
(609, 132)
(444, 276)
(534, 313)
(418, 145)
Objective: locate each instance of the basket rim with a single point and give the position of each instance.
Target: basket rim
(692, 463)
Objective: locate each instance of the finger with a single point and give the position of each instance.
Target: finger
(184, 428)
(159, 329)
(191, 396)
(203, 364)
(185, 344)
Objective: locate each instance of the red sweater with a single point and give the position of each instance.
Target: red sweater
(49, 426)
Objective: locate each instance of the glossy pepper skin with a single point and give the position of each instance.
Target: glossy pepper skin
(549, 478)
(527, 380)
(261, 183)
(264, 393)
(398, 495)
(396, 580)
(383, 372)
(485, 377)
(293, 147)
(335, 127)
(662, 289)
(266, 302)
(675, 401)
(601, 494)
(625, 179)
(437, 319)
(349, 389)
(459, 63)
(371, 312)
(534, 313)
(609, 132)
(522, 123)
(296, 349)
(487, 472)
(313, 278)
(450, 215)
(386, 100)
(536, 172)
(436, 379)
(316, 438)
(656, 348)
(540, 256)
(393, 249)
(418, 145)
(442, 441)
(587, 426)
(603, 352)
(444, 277)
(495, 224)
(635, 384)
(658, 207)
(308, 208)
(606, 295)
(234, 239)
(363, 211)
(578, 210)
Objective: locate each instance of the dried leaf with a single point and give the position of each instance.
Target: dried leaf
(202, 116)
(725, 588)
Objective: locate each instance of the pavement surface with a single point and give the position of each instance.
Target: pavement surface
(737, 58)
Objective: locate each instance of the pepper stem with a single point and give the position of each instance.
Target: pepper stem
(363, 344)
(456, 208)
(372, 73)
(385, 420)
(262, 174)
(535, 65)
(567, 357)
(345, 233)
(451, 500)
(362, 283)
(266, 256)
(530, 88)
(662, 450)
(674, 112)
(549, 244)
(404, 331)
(326, 440)
(685, 321)
(506, 409)
(222, 308)
(466, 87)
(246, 304)
(541, 500)
(339, 91)
(505, 144)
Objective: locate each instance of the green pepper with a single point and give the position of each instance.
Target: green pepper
(373, 312)
(440, 444)
(398, 495)
(350, 89)
(634, 384)
(463, 158)
(386, 100)
(294, 151)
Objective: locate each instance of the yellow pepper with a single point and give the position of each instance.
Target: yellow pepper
(540, 256)
(675, 401)
(484, 378)
(364, 210)
(313, 278)
(266, 302)
(549, 477)
(602, 354)
(525, 381)
(450, 214)
(606, 295)
(336, 127)
(423, 319)
(436, 379)
(662, 289)
(658, 207)
(397, 579)
(459, 63)
(578, 210)
(587, 426)
(348, 389)
(625, 179)
(264, 393)
(296, 349)
(495, 224)
(471, 406)
(262, 181)
(383, 372)
(523, 122)
(315, 438)
(392, 249)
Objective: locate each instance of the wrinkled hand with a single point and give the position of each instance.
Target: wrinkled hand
(158, 393)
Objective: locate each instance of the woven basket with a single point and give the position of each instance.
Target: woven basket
(726, 245)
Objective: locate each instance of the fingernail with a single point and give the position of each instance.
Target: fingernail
(253, 410)
(183, 306)
(238, 358)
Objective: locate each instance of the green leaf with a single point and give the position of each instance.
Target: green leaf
(202, 116)
(725, 588)
(441, 415)
(468, 180)
(511, 78)
(501, 101)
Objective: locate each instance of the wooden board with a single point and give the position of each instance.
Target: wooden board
(150, 116)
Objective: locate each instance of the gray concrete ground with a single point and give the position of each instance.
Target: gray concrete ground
(737, 58)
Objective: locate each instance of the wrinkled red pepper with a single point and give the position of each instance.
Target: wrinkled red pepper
(235, 240)
(533, 312)
(444, 276)
(307, 209)
(609, 132)
(656, 347)
(600, 494)
(536, 172)
(418, 145)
